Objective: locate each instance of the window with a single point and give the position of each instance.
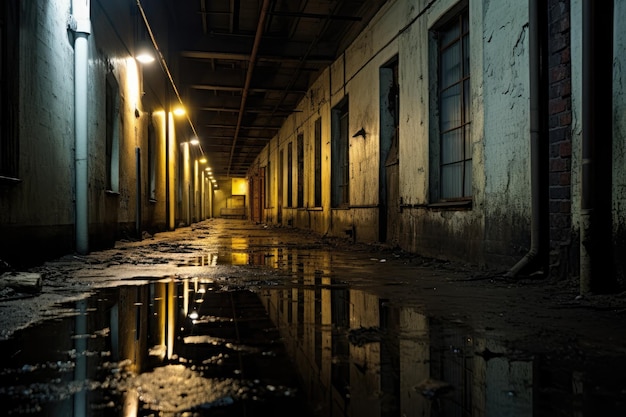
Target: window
(290, 174)
(9, 74)
(340, 157)
(151, 161)
(318, 163)
(300, 157)
(453, 85)
(112, 133)
(268, 182)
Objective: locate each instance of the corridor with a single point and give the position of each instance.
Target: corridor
(233, 318)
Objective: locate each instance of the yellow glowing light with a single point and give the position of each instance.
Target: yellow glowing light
(194, 141)
(208, 169)
(202, 160)
(145, 57)
(179, 111)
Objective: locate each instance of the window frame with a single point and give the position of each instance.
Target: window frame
(340, 155)
(300, 169)
(113, 126)
(318, 163)
(290, 174)
(440, 154)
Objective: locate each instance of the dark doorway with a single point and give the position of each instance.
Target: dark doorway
(388, 222)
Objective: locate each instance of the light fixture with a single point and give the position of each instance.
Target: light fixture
(144, 52)
(194, 141)
(361, 132)
(202, 160)
(179, 111)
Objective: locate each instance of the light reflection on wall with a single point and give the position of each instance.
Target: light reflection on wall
(133, 84)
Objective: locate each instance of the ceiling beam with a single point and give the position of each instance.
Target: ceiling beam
(322, 61)
(321, 16)
(236, 88)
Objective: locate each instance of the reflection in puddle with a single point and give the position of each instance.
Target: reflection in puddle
(135, 350)
(241, 254)
(313, 347)
(360, 355)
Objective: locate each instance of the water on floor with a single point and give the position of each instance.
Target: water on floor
(308, 345)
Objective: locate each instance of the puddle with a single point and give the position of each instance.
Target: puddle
(309, 346)
(164, 348)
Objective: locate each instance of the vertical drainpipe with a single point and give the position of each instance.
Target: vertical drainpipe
(586, 197)
(596, 142)
(534, 63)
(138, 219)
(186, 184)
(202, 197)
(80, 24)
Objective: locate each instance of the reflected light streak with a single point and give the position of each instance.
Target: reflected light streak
(131, 403)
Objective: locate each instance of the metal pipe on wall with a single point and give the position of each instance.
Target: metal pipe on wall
(186, 186)
(138, 219)
(535, 191)
(596, 268)
(170, 171)
(586, 197)
(246, 87)
(80, 24)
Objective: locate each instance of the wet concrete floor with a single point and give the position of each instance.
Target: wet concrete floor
(230, 318)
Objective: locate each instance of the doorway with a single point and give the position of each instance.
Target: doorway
(388, 187)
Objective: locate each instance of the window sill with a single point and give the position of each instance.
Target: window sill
(451, 205)
(9, 180)
(315, 209)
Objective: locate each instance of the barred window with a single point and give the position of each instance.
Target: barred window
(340, 156)
(318, 163)
(455, 152)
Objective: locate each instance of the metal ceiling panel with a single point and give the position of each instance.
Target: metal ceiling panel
(240, 79)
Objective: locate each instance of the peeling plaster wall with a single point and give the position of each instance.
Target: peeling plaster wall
(495, 231)
(497, 226)
(506, 143)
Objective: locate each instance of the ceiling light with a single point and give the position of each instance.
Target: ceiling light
(145, 53)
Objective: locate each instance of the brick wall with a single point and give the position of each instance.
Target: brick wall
(559, 135)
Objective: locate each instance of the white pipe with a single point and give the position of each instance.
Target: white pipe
(186, 184)
(81, 25)
(534, 65)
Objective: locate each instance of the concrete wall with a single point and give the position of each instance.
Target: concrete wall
(495, 229)
(46, 136)
(497, 224)
(37, 212)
